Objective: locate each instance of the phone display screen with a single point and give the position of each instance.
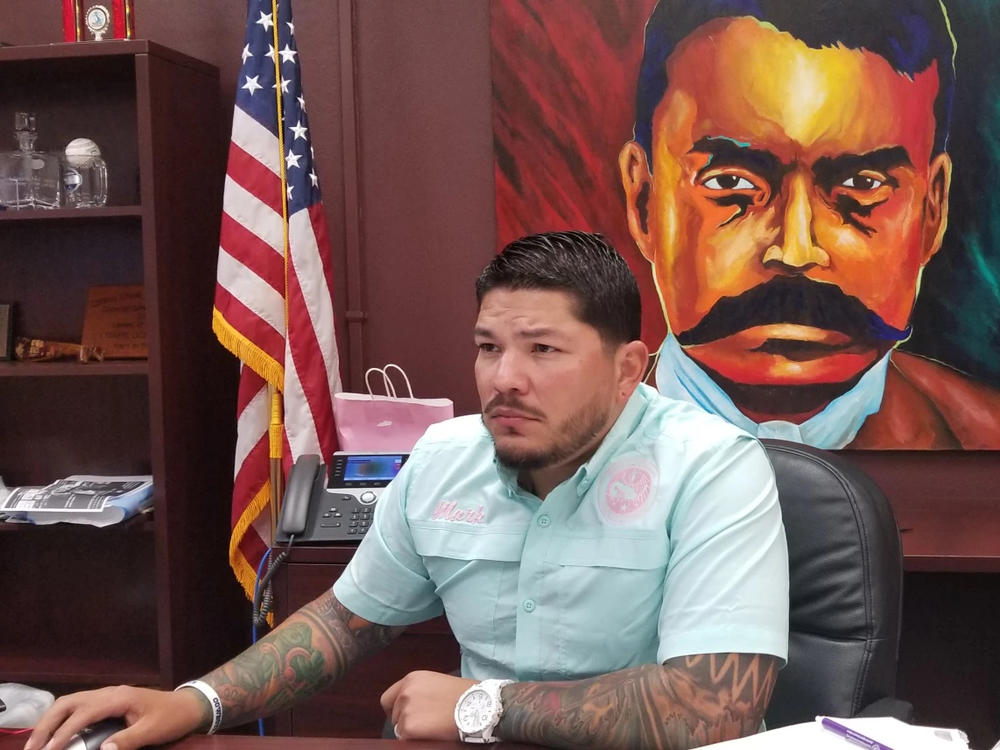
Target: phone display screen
(377, 468)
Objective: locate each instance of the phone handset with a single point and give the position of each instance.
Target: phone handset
(295, 508)
(294, 516)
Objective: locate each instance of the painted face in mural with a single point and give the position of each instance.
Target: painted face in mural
(790, 206)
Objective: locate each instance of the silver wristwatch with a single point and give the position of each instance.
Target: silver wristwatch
(478, 711)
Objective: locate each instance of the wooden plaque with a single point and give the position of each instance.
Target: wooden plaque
(115, 321)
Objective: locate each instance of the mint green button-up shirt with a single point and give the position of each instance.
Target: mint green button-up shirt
(667, 542)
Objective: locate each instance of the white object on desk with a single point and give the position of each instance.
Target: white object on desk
(891, 732)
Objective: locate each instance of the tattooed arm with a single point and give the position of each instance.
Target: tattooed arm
(687, 702)
(307, 652)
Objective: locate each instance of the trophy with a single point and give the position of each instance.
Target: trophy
(98, 19)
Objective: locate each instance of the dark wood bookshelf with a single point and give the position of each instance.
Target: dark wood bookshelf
(151, 601)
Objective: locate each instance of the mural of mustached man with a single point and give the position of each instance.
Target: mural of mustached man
(810, 190)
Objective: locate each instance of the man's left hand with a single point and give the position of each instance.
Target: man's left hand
(422, 705)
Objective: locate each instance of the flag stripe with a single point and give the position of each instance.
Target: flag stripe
(257, 216)
(255, 139)
(252, 253)
(237, 241)
(258, 330)
(245, 171)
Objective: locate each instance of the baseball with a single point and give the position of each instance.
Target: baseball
(81, 151)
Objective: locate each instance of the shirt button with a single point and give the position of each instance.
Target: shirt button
(544, 521)
(529, 605)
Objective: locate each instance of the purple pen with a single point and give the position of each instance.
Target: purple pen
(852, 736)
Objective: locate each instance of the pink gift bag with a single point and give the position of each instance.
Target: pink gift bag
(367, 422)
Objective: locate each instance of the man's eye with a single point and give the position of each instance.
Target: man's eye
(544, 348)
(486, 348)
(862, 182)
(729, 182)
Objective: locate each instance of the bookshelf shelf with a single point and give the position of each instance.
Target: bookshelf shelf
(73, 369)
(78, 669)
(72, 214)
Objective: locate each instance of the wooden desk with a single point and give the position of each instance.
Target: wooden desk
(250, 742)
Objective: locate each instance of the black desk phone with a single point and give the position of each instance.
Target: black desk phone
(338, 508)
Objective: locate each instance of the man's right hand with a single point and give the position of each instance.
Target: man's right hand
(154, 717)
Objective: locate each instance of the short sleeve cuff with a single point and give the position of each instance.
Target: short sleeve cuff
(351, 596)
(724, 641)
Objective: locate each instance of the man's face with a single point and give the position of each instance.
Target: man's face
(547, 383)
(807, 168)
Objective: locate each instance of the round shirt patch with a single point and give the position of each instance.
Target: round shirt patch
(626, 487)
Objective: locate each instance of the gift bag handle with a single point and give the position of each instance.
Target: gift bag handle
(406, 380)
(390, 389)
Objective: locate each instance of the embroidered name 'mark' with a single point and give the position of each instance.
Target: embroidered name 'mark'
(448, 510)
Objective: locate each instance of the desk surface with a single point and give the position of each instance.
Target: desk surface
(250, 742)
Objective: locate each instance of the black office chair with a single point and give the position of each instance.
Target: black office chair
(846, 584)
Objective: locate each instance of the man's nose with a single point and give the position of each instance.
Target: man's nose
(509, 373)
(795, 248)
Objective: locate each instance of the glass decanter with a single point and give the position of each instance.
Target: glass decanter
(29, 178)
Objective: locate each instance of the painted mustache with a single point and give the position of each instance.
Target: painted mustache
(795, 300)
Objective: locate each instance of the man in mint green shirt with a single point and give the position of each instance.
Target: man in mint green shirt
(665, 542)
(612, 562)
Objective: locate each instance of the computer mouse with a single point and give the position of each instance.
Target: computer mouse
(91, 737)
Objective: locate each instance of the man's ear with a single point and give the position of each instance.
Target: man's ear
(936, 206)
(632, 358)
(637, 181)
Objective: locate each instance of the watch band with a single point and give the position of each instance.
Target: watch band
(484, 736)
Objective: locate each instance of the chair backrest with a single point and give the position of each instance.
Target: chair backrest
(846, 584)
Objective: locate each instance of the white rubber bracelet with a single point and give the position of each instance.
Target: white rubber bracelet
(213, 699)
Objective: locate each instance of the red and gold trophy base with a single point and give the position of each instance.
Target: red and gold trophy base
(85, 20)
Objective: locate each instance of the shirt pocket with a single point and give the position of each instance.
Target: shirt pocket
(475, 576)
(608, 592)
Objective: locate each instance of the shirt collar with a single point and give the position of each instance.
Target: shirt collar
(678, 376)
(620, 431)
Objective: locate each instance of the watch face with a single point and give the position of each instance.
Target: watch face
(475, 712)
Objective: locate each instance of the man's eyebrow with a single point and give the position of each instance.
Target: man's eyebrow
(832, 169)
(523, 333)
(729, 152)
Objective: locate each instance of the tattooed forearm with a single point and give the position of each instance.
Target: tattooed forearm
(687, 702)
(307, 652)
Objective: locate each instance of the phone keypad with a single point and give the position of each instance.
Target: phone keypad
(361, 521)
(344, 517)
(331, 519)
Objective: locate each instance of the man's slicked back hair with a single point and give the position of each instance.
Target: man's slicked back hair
(909, 34)
(584, 265)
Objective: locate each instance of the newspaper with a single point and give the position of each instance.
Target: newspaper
(81, 498)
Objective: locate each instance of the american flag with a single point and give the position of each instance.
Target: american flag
(273, 296)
